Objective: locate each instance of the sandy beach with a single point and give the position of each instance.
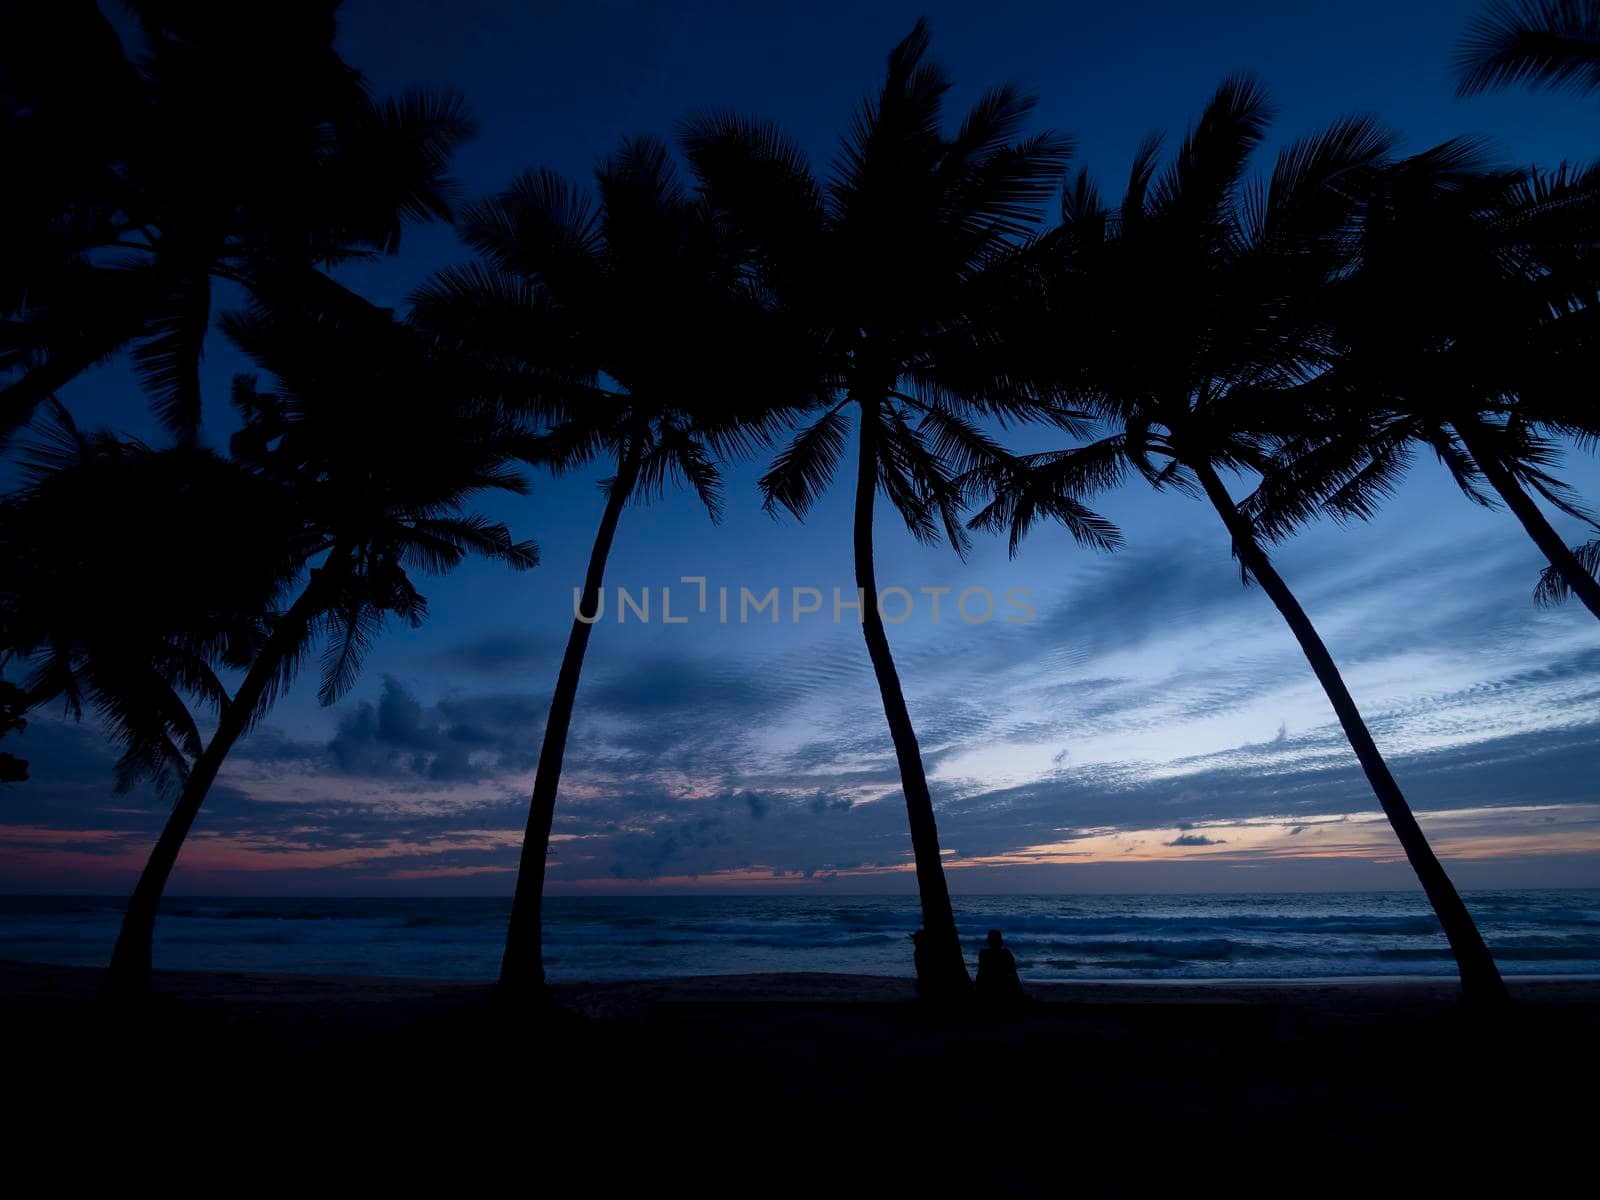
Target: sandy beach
(784, 1083)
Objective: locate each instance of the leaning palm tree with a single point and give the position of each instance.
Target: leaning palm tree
(1467, 329)
(898, 268)
(1553, 43)
(1194, 307)
(366, 451)
(631, 332)
(157, 180)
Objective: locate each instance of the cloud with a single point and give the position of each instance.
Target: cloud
(1140, 703)
(502, 653)
(635, 829)
(647, 837)
(460, 739)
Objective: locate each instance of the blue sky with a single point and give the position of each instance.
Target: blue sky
(1152, 728)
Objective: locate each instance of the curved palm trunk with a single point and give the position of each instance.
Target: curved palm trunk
(522, 966)
(130, 959)
(1583, 585)
(1480, 979)
(941, 967)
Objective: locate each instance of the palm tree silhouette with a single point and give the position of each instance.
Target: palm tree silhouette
(1467, 330)
(1553, 43)
(1193, 308)
(367, 459)
(79, 531)
(154, 183)
(895, 268)
(629, 329)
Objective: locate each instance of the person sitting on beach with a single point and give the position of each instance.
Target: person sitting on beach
(997, 973)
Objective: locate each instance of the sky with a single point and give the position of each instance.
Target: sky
(1151, 727)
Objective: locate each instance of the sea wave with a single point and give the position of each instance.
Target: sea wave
(1084, 937)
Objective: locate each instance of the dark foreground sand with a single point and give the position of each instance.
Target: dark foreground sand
(780, 1084)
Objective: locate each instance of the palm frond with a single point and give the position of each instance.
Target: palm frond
(350, 632)
(760, 186)
(957, 441)
(573, 444)
(801, 472)
(439, 544)
(1082, 211)
(168, 360)
(645, 209)
(989, 126)
(1140, 176)
(542, 225)
(92, 315)
(1345, 470)
(678, 456)
(56, 444)
(894, 129)
(1040, 487)
(1453, 456)
(1557, 491)
(918, 483)
(1553, 587)
(1197, 187)
(1549, 43)
(1318, 181)
(1004, 194)
(422, 130)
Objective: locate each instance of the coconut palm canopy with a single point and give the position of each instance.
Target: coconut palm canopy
(1135, 719)
(160, 175)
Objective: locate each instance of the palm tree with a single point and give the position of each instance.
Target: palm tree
(1194, 307)
(154, 182)
(1554, 43)
(635, 337)
(1468, 329)
(353, 472)
(82, 530)
(898, 268)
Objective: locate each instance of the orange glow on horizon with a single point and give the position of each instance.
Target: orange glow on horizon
(1458, 835)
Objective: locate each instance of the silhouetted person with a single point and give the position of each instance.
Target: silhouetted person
(997, 973)
(919, 959)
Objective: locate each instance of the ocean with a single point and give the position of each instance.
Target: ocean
(1281, 936)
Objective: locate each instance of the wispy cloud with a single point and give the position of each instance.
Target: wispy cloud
(1157, 715)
